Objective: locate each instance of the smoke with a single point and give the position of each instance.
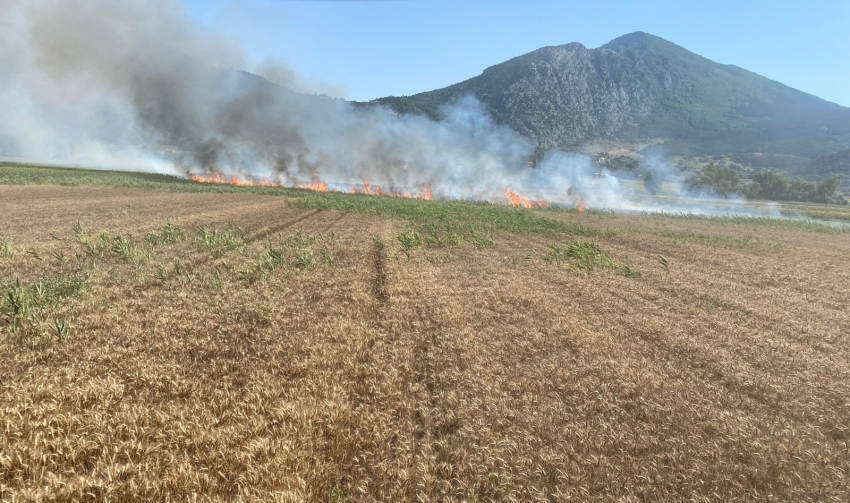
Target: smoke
(136, 84)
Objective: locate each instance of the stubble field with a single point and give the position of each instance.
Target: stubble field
(182, 346)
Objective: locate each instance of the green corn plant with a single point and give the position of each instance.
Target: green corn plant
(40, 291)
(555, 254)
(123, 247)
(92, 250)
(438, 259)
(169, 234)
(327, 255)
(79, 229)
(587, 256)
(409, 240)
(304, 258)
(61, 329)
(273, 257)
(628, 271)
(481, 240)
(17, 305)
(60, 257)
(172, 233)
(216, 280)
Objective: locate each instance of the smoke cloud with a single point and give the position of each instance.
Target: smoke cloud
(135, 84)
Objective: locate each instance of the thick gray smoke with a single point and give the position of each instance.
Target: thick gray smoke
(135, 84)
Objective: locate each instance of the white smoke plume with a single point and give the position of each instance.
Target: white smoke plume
(136, 84)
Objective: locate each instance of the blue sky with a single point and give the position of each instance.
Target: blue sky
(369, 49)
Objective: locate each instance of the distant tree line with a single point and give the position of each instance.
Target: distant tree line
(767, 185)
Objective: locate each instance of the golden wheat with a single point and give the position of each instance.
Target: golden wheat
(383, 374)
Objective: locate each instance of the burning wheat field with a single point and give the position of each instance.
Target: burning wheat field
(191, 341)
(292, 297)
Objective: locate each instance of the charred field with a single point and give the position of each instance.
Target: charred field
(164, 340)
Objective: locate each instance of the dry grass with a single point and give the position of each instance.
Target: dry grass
(460, 373)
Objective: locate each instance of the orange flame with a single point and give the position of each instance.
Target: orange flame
(577, 199)
(514, 199)
(317, 185)
(232, 180)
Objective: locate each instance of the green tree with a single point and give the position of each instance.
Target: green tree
(716, 179)
(773, 185)
(770, 185)
(828, 190)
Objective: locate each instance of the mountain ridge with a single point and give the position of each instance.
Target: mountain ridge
(642, 89)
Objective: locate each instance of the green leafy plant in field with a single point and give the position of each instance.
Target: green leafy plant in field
(463, 219)
(304, 258)
(61, 328)
(6, 250)
(60, 257)
(438, 258)
(327, 255)
(17, 305)
(80, 229)
(169, 234)
(18, 174)
(586, 257)
(273, 257)
(123, 247)
(626, 269)
(53, 288)
(221, 242)
(481, 240)
(410, 240)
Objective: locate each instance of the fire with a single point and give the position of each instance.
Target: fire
(317, 185)
(514, 199)
(577, 199)
(232, 180)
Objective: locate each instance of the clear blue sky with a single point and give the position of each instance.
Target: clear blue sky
(378, 48)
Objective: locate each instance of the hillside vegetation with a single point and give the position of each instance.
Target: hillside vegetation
(640, 88)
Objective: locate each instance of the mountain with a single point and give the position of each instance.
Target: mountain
(641, 89)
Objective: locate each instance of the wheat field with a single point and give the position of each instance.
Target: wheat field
(179, 346)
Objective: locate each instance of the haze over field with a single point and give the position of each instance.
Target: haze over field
(137, 84)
